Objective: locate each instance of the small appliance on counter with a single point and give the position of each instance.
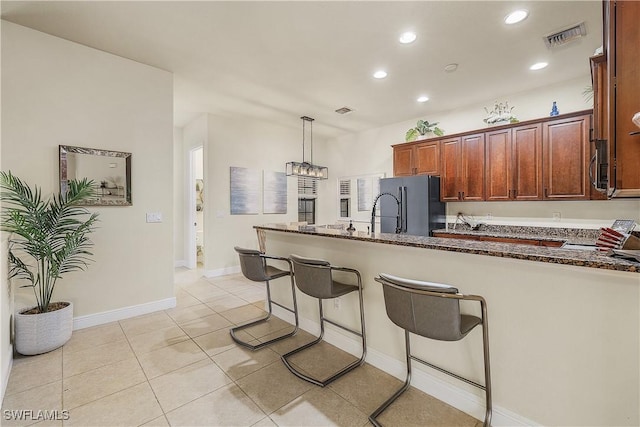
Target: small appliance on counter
(410, 205)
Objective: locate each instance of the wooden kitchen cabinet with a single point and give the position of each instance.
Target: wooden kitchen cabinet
(403, 160)
(616, 82)
(565, 154)
(599, 164)
(626, 84)
(514, 163)
(417, 159)
(542, 159)
(462, 168)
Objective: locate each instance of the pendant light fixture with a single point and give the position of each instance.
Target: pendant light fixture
(307, 169)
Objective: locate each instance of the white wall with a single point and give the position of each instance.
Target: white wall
(6, 297)
(370, 151)
(178, 197)
(253, 144)
(58, 92)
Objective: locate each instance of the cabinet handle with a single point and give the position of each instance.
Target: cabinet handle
(634, 133)
(462, 195)
(509, 195)
(592, 163)
(591, 135)
(515, 193)
(546, 192)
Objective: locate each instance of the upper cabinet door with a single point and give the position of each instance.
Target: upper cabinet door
(499, 179)
(403, 160)
(427, 158)
(526, 168)
(566, 162)
(450, 170)
(473, 167)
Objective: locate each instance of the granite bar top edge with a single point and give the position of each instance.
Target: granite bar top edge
(572, 257)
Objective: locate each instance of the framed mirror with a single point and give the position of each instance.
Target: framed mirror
(110, 171)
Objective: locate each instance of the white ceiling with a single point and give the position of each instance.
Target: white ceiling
(277, 61)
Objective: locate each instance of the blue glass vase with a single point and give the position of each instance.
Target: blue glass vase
(554, 110)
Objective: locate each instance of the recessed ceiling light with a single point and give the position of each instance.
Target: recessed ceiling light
(423, 98)
(380, 74)
(450, 68)
(408, 37)
(538, 66)
(516, 16)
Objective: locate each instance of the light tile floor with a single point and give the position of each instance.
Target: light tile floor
(179, 367)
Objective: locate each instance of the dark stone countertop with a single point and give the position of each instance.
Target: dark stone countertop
(576, 236)
(573, 257)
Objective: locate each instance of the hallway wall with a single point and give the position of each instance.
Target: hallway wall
(58, 92)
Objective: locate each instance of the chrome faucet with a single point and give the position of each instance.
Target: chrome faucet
(398, 216)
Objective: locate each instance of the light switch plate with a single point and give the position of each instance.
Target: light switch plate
(154, 216)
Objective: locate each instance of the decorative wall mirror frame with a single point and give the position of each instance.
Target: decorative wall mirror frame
(110, 170)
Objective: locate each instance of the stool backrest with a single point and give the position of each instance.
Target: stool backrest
(428, 315)
(252, 264)
(313, 276)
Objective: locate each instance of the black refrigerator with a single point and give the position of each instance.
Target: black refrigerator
(417, 202)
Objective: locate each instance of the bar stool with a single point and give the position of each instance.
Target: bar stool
(432, 310)
(254, 267)
(314, 278)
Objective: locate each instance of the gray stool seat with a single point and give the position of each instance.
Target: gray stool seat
(275, 273)
(255, 268)
(432, 310)
(314, 278)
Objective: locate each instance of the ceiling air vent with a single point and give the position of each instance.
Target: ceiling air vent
(565, 36)
(344, 110)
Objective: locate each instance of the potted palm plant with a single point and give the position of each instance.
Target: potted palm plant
(48, 238)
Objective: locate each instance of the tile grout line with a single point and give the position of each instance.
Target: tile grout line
(144, 373)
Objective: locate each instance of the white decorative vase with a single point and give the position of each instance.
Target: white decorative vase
(425, 136)
(43, 332)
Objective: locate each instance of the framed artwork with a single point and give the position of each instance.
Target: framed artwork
(245, 191)
(274, 193)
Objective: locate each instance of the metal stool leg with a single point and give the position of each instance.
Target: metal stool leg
(349, 367)
(373, 417)
(233, 330)
(487, 368)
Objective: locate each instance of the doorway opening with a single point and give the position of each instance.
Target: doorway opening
(196, 208)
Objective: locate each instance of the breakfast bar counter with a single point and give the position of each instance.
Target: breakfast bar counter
(564, 324)
(575, 257)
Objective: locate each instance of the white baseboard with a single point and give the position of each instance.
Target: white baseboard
(96, 319)
(180, 263)
(5, 377)
(457, 397)
(222, 271)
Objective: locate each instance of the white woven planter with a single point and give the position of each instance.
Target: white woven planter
(43, 332)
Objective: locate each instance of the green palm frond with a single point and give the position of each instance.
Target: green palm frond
(48, 237)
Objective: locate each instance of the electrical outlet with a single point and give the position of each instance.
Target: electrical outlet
(489, 216)
(557, 216)
(336, 303)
